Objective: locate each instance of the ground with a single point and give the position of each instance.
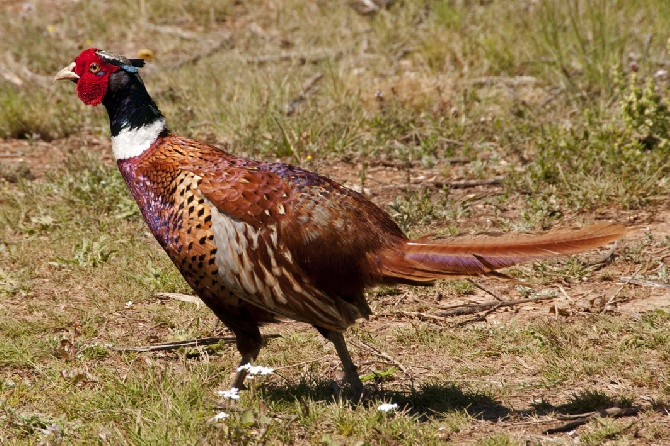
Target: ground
(517, 402)
(457, 118)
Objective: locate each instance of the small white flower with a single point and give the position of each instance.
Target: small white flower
(230, 394)
(220, 416)
(387, 407)
(661, 74)
(256, 369)
(129, 304)
(51, 429)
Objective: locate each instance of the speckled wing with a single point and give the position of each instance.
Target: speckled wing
(247, 193)
(251, 208)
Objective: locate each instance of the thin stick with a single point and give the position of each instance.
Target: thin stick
(515, 81)
(176, 345)
(417, 315)
(309, 83)
(179, 296)
(293, 104)
(173, 30)
(614, 296)
(389, 358)
(606, 255)
(486, 290)
(312, 57)
(190, 343)
(562, 290)
(469, 183)
(578, 420)
(567, 427)
(221, 44)
(643, 282)
(463, 310)
(25, 73)
(460, 310)
(609, 412)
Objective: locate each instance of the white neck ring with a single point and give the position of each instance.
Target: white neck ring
(130, 143)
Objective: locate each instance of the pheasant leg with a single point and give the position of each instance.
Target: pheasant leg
(350, 369)
(249, 342)
(238, 380)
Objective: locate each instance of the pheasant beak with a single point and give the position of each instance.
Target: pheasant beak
(67, 73)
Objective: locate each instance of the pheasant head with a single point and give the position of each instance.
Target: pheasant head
(113, 80)
(91, 71)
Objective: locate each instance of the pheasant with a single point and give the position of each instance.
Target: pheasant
(257, 241)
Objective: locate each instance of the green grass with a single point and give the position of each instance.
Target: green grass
(565, 100)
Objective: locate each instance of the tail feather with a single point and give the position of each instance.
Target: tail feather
(421, 261)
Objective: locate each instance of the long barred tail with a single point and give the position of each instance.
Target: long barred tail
(423, 261)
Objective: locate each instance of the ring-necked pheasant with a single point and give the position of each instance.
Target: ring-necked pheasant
(256, 239)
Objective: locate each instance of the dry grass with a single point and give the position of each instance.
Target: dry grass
(420, 93)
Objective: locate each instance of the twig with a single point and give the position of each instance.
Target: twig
(609, 412)
(580, 419)
(401, 165)
(221, 44)
(606, 255)
(173, 30)
(567, 427)
(643, 282)
(190, 343)
(176, 345)
(516, 81)
(294, 103)
(309, 83)
(469, 183)
(455, 159)
(11, 77)
(486, 290)
(180, 296)
(390, 359)
(662, 250)
(614, 296)
(454, 142)
(562, 290)
(304, 58)
(461, 310)
(417, 315)
(530, 423)
(551, 97)
(17, 79)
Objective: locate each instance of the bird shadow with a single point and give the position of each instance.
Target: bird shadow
(427, 401)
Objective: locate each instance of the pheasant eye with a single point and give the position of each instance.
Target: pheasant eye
(94, 68)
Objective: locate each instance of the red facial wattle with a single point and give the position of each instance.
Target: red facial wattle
(93, 76)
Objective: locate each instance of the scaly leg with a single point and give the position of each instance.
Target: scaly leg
(238, 380)
(249, 344)
(350, 369)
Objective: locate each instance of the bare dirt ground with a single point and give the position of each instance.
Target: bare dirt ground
(384, 182)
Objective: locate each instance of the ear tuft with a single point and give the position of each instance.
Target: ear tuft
(129, 65)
